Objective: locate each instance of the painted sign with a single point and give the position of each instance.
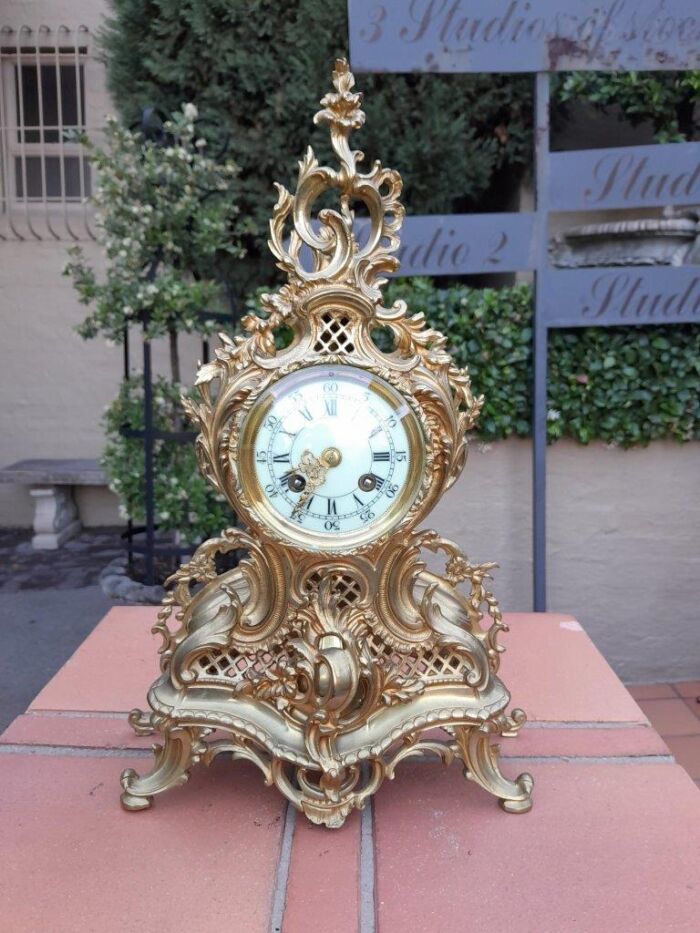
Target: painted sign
(463, 244)
(524, 35)
(604, 297)
(459, 244)
(633, 176)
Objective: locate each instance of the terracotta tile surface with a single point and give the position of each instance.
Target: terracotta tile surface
(77, 731)
(689, 688)
(324, 883)
(555, 672)
(670, 717)
(86, 682)
(80, 863)
(686, 749)
(448, 859)
(568, 742)
(543, 651)
(652, 691)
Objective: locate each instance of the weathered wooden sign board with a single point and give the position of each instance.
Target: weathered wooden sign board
(544, 36)
(462, 244)
(605, 297)
(524, 35)
(634, 176)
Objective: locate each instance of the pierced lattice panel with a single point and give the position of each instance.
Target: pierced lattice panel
(334, 335)
(433, 662)
(345, 589)
(234, 667)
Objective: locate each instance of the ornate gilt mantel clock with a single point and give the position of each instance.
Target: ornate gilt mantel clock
(331, 652)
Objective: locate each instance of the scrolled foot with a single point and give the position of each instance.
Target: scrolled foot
(481, 765)
(131, 802)
(523, 802)
(170, 769)
(141, 722)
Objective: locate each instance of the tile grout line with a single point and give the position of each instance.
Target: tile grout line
(368, 918)
(75, 714)
(74, 751)
(279, 896)
(595, 759)
(585, 724)
(91, 751)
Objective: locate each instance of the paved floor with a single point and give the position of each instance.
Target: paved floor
(430, 852)
(674, 711)
(49, 603)
(77, 564)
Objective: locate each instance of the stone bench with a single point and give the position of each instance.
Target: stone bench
(51, 485)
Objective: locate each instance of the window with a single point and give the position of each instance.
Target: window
(43, 109)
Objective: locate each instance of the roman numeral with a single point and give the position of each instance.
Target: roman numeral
(331, 406)
(282, 458)
(284, 478)
(358, 500)
(382, 455)
(378, 481)
(332, 508)
(308, 504)
(305, 413)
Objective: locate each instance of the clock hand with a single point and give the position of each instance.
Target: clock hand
(314, 470)
(314, 473)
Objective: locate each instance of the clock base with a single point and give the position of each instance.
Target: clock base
(365, 671)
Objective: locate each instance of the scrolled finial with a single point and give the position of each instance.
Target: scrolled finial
(336, 254)
(342, 108)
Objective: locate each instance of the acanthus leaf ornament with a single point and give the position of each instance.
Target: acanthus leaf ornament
(324, 655)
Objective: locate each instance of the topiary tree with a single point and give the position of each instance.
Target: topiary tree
(255, 70)
(166, 215)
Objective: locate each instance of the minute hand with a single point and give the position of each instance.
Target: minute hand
(314, 472)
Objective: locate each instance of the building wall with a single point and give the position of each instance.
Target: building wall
(54, 385)
(623, 543)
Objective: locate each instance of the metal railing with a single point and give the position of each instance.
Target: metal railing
(45, 175)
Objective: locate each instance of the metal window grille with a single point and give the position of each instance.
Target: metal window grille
(45, 175)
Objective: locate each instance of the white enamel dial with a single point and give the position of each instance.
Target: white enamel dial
(336, 453)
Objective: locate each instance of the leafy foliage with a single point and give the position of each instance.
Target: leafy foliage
(621, 385)
(165, 215)
(256, 70)
(184, 499)
(624, 386)
(666, 99)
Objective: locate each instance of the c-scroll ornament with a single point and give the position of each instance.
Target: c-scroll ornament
(330, 650)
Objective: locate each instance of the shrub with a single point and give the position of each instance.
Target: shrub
(185, 502)
(165, 214)
(621, 385)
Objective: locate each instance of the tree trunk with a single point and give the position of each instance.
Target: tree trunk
(174, 356)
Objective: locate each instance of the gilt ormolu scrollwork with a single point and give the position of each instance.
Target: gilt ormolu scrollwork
(325, 666)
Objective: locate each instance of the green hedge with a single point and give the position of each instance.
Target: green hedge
(624, 386)
(620, 385)
(184, 500)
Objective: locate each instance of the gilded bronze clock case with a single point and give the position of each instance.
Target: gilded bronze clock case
(328, 665)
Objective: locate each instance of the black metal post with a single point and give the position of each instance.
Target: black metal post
(149, 569)
(539, 351)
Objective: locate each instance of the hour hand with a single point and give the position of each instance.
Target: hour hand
(314, 472)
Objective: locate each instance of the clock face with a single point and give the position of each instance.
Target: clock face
(331, 456)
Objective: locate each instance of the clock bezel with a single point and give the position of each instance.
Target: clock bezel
(294, 535)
